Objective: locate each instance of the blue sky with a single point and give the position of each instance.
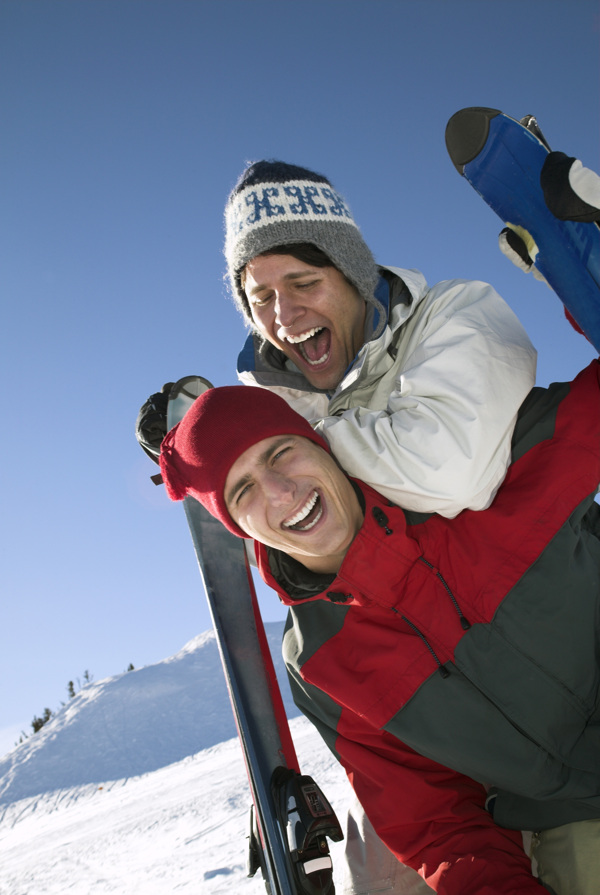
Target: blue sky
(125, 124)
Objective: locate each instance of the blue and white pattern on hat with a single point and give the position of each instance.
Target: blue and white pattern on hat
(256, 206)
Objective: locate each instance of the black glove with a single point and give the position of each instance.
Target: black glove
(572, 192)
(151, 423)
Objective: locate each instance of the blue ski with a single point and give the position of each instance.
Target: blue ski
(502, 159)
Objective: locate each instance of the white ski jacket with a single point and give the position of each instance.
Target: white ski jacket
(426, 411)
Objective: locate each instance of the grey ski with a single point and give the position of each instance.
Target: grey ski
(290, 818)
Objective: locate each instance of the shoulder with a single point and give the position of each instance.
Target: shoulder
(446, 297)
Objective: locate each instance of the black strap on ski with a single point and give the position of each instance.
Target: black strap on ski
(307, 819)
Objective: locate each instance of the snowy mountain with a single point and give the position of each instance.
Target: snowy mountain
(135, 786)
(133, 723)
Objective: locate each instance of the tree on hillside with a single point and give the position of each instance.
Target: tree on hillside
(38, 723)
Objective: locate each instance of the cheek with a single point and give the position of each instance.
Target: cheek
(252, 523)
(242, 515)
(262, 319)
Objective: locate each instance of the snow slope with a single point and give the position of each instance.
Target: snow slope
(133, 723)
(134, 787)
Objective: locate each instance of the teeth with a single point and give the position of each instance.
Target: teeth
(314, 363)
(314, 522)
(303, 513)
(302, 337)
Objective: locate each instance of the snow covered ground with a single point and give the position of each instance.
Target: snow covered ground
(135, 788)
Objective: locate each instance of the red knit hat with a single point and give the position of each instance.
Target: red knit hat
(197, 454)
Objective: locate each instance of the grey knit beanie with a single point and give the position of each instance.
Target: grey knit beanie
(275, 204)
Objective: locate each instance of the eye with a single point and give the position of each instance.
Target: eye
(260, 301)
(281, 452)
(242, 492)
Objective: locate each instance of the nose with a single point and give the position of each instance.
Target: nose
(279, 489)
(288, 307)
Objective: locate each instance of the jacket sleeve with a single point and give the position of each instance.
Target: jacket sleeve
(438, 440)
(433, 819)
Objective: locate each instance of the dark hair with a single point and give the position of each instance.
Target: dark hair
(301, 251)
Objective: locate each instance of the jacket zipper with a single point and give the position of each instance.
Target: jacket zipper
(382, 520)
(441, 668)
(464, 622)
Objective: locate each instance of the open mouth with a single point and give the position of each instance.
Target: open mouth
(314, 346)
(308, 516)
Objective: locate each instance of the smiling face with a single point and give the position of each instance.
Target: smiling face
(312, 314)
(288, 493)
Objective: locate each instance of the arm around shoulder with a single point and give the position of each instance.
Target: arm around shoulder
(432, 818)
(434, 434)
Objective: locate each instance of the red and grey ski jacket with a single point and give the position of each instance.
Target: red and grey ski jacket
(447, 652)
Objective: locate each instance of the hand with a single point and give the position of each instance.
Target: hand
(151, 423)
(520, 248)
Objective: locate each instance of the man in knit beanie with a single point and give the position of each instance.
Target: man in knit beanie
(427, 381)
(433, 653)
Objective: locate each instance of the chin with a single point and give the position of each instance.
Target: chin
(327, 380)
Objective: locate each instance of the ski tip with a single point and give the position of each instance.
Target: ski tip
(466, 134)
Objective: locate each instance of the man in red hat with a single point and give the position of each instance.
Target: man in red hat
(433, 653)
